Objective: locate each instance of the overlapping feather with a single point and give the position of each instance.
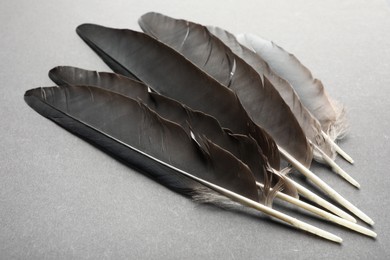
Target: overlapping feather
(170, 74)
(129, 130)
(243, 147)
(307, 121)
(255, 92)
(259, 97)
(132, 132)
(330, 113)
(210, 152)
(117, 83)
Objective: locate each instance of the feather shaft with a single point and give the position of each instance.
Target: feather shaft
(308, 194)
(331, 192)
(286, 218)
(338, 149)
(326, 215)
(337, 169)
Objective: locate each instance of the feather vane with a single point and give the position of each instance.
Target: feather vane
(311, 91)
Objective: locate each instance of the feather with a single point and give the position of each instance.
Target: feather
(311, 91)
(260, 99)
(307, 121)
(243, 147)
(130, 131)
(133, 133)
(170, 74)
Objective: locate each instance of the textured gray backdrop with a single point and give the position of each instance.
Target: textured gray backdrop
(62, 198)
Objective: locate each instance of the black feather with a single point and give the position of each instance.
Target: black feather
(132, 132)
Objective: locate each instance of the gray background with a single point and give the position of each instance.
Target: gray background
(62, 198)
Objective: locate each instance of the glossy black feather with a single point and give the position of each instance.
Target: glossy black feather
(132, 132)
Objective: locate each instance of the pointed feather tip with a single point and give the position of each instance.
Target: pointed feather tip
(337, 148)
(146, 19)
(84, 31)
(59, 73)
(33, 96)
(147, 16)
(338, 240)
(60, 68)
(53, 72)
(343, 154)
(28, 93)
(82, 27)
(336, 168)
(86, 28)
(34, 92)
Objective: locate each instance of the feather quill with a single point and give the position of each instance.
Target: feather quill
(243, 147)
(311, 91)
(260, 99)
(132, 132)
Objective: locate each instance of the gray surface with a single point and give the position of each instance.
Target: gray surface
(62, 198)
